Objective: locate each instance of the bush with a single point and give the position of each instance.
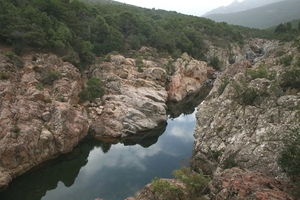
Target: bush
(246, 95)
(229, 163)
(93, 90)
(215, 63)
(39, 86)
(166, 190)
(49, 76)
(14, 59)
(4, 76)
(194, 185)
(291, 78)
(260, 72)
(289, 158)
(286, 60)
(225, 82)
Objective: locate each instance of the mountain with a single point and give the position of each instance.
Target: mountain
(237, 6)
(262, 17)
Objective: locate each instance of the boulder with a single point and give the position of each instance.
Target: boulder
(189, 77)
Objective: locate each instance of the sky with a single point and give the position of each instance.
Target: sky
(190, 7)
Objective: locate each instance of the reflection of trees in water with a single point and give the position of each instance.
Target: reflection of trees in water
(188, 104)
(37, 182)
(65, 168)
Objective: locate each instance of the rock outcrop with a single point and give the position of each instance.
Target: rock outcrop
(136, 99)
(189, 77)
(236, 184)
(40, 114)
(247, 115)
(37, 122)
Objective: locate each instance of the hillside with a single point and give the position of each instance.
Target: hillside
(80, 31)
(237, 6)
(262, 17)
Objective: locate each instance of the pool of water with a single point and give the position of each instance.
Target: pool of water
(108, 171)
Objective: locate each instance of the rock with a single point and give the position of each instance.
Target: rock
(156, 74)
(34, 126)
(236, 183)
(244, 120)
(46, 116)
(189, 77)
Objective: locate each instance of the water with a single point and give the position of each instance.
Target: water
(88, 173)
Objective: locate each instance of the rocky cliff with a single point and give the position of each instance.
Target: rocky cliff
(37, 122)
(248, 113)
(41, 117)
(242, 123)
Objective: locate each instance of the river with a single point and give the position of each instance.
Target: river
(97, 169)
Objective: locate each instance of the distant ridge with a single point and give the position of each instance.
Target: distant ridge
(237, 6)
(262, 17)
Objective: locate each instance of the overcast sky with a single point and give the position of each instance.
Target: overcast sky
(190, 7)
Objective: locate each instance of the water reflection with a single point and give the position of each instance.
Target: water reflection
(100, 170)
(188, 104)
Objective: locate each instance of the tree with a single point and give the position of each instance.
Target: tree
(93, 90)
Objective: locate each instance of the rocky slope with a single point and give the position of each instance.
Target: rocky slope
(40, 114)
(37, 124)
(248, 113)
(242, 124)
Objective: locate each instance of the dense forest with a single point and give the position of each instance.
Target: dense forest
(82, 30)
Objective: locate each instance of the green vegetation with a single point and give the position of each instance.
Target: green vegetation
(246, 94)
(49, 76)
(93, 90)
(78, 31)
(215, 63)
(225, 82)
(289, 159)
(39, 86)
(286, 60)
(291, 78)
(4, 76)
(14, 59)
(260, 72)
(16, 130)
(229, 163)
(194, 186)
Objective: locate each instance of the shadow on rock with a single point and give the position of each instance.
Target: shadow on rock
(188, 104)
(65, 168)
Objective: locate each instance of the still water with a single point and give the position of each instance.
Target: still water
(108, 171)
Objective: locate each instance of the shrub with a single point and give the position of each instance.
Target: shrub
(39, 86)
(246, 95)
(93, 90)
(289, 157)
(16, 130)
(225, 82)
(166, 190)
(291, 78)
(194, 185)
(215, 63)
(14, 59)
(4, 76)
(260, 72)
(170, 67)
(286, 60)
(49, 76)
(229, 163)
